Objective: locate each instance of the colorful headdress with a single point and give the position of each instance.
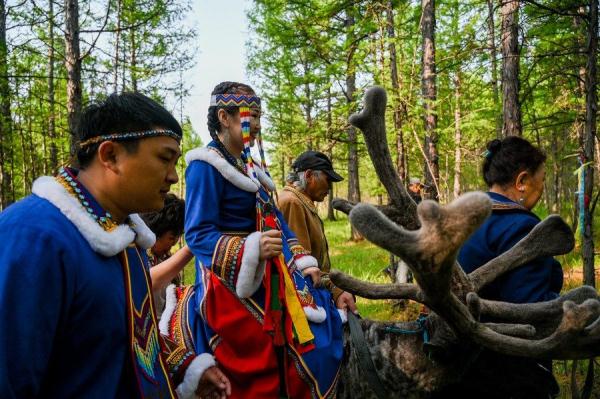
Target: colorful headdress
(234, 100)
(130, 136)
(244, 103)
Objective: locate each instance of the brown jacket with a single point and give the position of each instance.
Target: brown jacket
(301, 216)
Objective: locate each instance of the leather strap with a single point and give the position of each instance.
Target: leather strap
(365, 361)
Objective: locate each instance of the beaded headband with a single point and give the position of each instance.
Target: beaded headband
(130, 136)
(234, 100)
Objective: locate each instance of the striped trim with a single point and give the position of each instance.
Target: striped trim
(234, 100)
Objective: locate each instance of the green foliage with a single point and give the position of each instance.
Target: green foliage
(126, 45)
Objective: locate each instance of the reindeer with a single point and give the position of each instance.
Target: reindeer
(428, 238)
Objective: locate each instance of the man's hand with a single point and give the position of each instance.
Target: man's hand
(314, 273)
(270, 244)
(346, 302)
(213, 384)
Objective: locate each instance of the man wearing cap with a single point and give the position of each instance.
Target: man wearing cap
(414, 189)
(310, 181)
(76, 309)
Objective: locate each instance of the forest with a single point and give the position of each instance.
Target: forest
(458, 73)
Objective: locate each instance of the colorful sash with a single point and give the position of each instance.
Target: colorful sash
(143, 338)
(144, 342)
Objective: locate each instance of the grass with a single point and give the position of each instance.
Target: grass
(365, 261)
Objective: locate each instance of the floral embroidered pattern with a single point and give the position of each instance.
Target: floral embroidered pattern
(227, 258)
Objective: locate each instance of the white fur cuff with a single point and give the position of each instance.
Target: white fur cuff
(187, 389)
(252, 270)
(305, 261)
(317, 315)
(170, 304)
(343, 315)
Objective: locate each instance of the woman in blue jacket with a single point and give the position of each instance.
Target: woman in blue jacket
(514, 171)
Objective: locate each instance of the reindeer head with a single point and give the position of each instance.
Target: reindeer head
(428, 238)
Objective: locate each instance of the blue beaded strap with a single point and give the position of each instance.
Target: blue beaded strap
(422, 328)
(130, 136)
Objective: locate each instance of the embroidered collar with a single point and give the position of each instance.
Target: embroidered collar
(105, 242)
(214, 157)
(304, 199)
(500, 203)
(67, 177)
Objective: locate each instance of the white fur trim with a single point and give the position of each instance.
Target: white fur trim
(306, 261)
(317, 315)
(343, 315)
(252, 270)
(104, 242)
(170, 304)
(144, 237)
(227, 170)
(266, 181)
(187, 389)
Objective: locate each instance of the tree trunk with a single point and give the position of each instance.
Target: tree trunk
(5, 115)
(308, 111)
(429, 93)
(556, 186)
(353, 177)
(457, 135)
(51, 94)
(117, 48)
(330, 210)
(399, 108)
(591, 107)
(494, 61)
(73, 66)
(511, 108)
(133, 61)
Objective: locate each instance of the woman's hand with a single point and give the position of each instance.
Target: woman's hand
(346, 302)
(314, 273)
(270, 244)
(213, 384)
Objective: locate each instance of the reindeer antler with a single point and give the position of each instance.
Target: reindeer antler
(551, 237)
(568, 327)
(431, 251)
(371, 120)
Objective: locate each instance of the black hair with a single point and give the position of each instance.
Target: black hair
(121, 113)
(505, 159)
(214, 126)
(169, 218)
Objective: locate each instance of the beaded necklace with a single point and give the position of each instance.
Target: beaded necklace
(237, 162)
(68, 179)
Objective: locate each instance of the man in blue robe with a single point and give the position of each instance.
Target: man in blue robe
(76, 311)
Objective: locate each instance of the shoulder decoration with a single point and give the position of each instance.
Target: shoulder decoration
(232, 174)
(104, 235)
(507, 206)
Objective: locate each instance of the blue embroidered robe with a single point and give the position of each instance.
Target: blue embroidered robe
(217, 207)
(62, 310)
(536, 281)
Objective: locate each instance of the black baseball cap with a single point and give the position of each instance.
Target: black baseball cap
(316, 160)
